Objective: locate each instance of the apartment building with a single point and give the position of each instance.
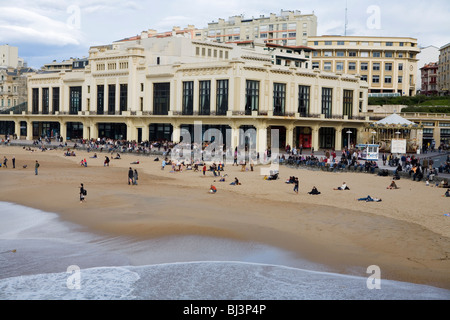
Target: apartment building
(153, 88)
(387, 64)
(13, 86)
(444, 70)
(429, 74)
(9, 57)
(289, 28)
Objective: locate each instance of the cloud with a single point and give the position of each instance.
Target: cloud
(17, 24)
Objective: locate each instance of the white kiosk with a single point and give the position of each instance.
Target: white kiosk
(369, 152)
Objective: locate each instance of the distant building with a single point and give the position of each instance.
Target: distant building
(429, 75)
(444, 70)
(9, 57)
(290, 28)
(189, 32)
(388, 64)
(427, 55)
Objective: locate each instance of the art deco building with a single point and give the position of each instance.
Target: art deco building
(388, 64)
(150, 89)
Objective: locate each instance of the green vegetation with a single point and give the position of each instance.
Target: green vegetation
(413, 103)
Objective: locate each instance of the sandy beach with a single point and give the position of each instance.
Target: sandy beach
(406, 234)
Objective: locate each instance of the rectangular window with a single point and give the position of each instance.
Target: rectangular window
(222, 97)
(364, 66)
(161, 98)
(303, 100)
(75, 100)
(388, 54)
(327, 66)
(340, 43)
(251, 96)
(123, 100)
(364, 54)
(55, 99)
(376, 67)
(35, 103)
(45, 101)
(112, 99)
(389, 44)
(279, 98)
(327, 98)
(376, 54)
(339, 66)
(400, 79)
(328, 43)
(364, 77)
(375, 79)
(188, 98)
(400, 66)
(205, 97)
(327, 54)
(352, 54)
(339, 53)
(315, 65)
(352, 66)
(348, 103)
(388, 66)
(100, 99)
(387, 79)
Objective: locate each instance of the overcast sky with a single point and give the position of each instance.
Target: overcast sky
(47, 30)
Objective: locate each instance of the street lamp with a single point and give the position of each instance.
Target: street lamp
(349, 132)
(373, 137)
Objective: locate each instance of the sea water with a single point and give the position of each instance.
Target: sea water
(58, 260)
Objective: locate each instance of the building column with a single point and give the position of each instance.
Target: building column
(29, 130)
(290, 135)
(63, 129)
(315, 137)
(17, 128)
(93, 131)
(234, 136)
(176, 133)
(338, 138)
(146, 132)
(131, 131)
(261, 139)
(86, 130)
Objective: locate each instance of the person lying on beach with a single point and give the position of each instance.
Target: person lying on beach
(314, 191)
(393, 185)
(212, 189)
(94, 156)
(135, 162)
(369, 199)
(343, 187)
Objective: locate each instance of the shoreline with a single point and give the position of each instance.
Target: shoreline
(346, 236)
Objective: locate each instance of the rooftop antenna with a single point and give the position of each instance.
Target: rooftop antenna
(346, 20)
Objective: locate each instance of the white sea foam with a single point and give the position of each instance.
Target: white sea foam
(167, 268)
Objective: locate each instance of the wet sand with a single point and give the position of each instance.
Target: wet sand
(406, 235)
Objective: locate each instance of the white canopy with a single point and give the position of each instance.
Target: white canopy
(394, 119)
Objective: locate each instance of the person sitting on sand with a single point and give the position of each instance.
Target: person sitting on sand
(369, 199)
(212, 189)
(447, 193)
(314, 191)
(236, 182)
(94, 156)
(393, 185)
(343, 187)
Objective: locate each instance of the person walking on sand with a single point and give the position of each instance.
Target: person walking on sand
(14, 162)
(5, 162)
(296, 185)
(135, 177)
(36, 166)
(83, 193)
(130, 176)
